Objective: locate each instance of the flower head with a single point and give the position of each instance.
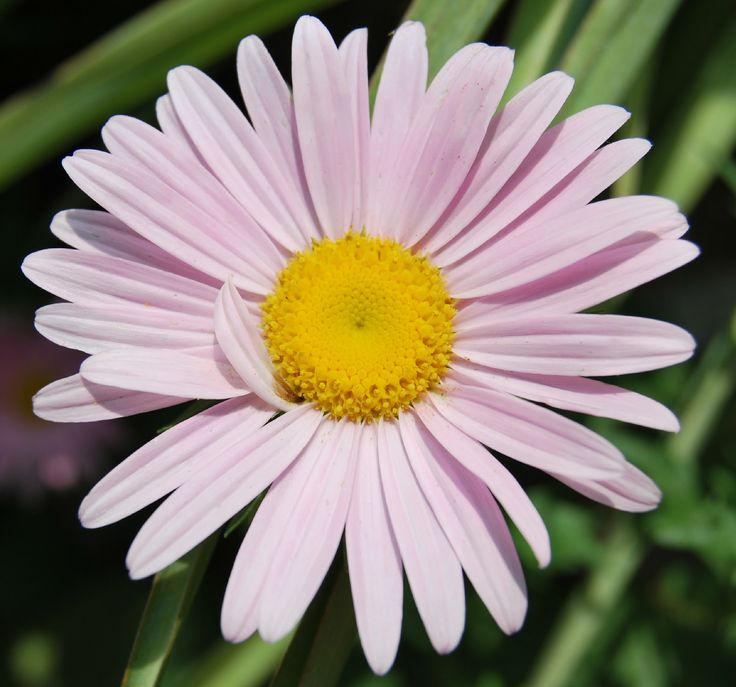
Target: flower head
(377, 301)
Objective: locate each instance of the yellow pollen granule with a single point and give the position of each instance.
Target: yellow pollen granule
(360, 326)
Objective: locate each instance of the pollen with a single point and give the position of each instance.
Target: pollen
(359, 326)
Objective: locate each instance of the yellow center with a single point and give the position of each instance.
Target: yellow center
(359, 326)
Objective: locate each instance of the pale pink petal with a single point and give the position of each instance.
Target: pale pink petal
(528, 433)
(632, 491)
(240, 339)
(400, 92)
(373, 560)
(93, 329)
(443, 140)
(353, 52)
(219, 490)
(472, 523)
(479, 460)
(588, 282)
(205, 374)
(309, 542)
(172, 458)
(536, 250)
(557, 153)
(170, 124)
(432, 568)
(100, 280)
(241, 606)
(236, 155)
(324, 122)
(182, 225)
(73, 399)
(271, 109)
(580, 344)
(578, 394)
(95, 231)
(510, 136)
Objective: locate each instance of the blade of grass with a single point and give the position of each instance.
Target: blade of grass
(171, 596)
(702, 132)
(448, 29)
(126, 67)
(324, 638)
(612, 47)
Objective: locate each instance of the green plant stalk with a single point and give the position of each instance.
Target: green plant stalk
(124, 69)
(587, 612)
(169, 600)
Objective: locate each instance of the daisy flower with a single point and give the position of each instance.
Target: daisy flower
(377, 301)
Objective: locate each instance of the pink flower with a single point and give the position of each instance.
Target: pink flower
(35, 456)
(376, 300)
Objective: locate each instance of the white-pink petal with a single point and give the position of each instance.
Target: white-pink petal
(528, 433)
(219, 490)
(170, 459)
(578, 394)
(373, 560)
(73, 399)
(472, 522)
(507, 491)
(241, 341)
(432, 568)
(198, 373)
(578, 344)
(312, 535)
(325, 124)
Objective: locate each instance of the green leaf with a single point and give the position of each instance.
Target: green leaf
(535, 34)
(611, 48)
(171, 596)
(125, 68)
(324, 638)
(701, 133)
(448, 28)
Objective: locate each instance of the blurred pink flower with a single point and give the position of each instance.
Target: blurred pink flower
(393, 293)
(36, 455)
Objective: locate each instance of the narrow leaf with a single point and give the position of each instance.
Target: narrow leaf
(125, 68)
(171, 596)
(324, 638)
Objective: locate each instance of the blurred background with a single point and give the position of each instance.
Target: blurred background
(628, 601)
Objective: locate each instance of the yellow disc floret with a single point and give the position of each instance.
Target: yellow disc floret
(359, 326)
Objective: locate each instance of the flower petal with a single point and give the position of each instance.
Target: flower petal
(400, 92)
(479, 460)
(373, 560)
(582, 344)
(170, 459)
(354, 56)
(578, 394)
(528, 433)
(432, 568)
(308, 544)
(236, 155)
(324, 122)
(557, 153)
(177, 220)
(537, 250)
(73, 399)
(238, 336)
(193, 374)
(95, 329)
(100, 280)
(443, 139)
(510, 136)
(472, 523)
(219, 490)
(632, 491)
